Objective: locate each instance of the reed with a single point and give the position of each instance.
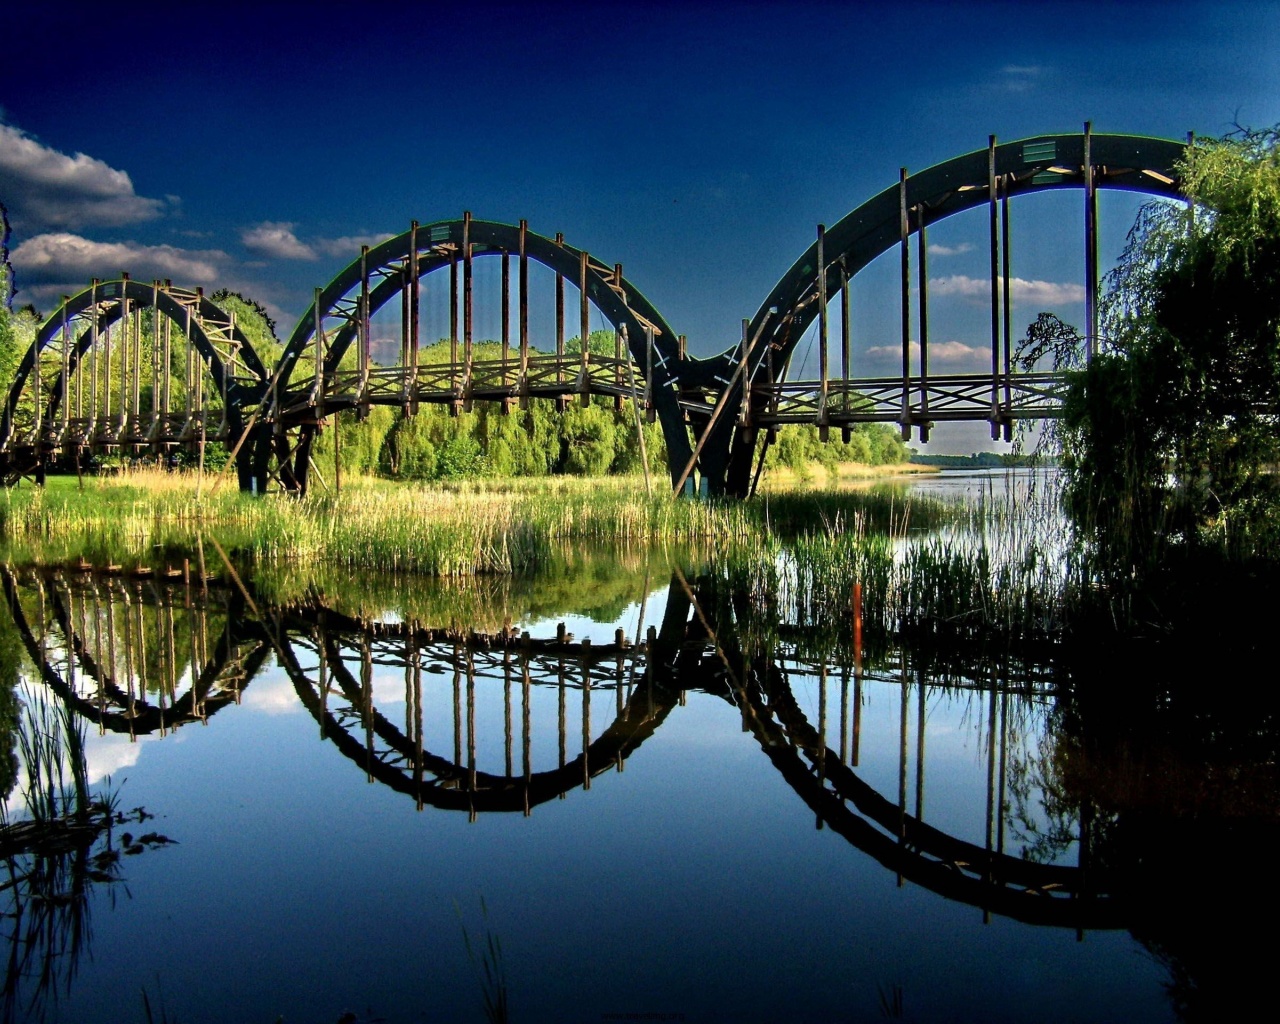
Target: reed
(451, 530)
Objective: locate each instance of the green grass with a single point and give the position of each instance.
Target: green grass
(454, 530)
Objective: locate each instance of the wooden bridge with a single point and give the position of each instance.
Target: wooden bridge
(151, 370)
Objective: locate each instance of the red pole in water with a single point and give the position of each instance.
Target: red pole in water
(857, 625)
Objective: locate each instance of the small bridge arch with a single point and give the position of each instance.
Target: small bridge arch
(88, 382)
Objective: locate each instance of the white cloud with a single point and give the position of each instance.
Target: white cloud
(51, 265)
(950, 250)
(951, 352)
(272, 696)
(348, 246)
(109, 754)
(44, 188)
(278, 240)
(275, 239)
(1042, 293)
(1020, 77)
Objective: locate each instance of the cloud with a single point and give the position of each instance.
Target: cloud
(275, 239)
(44, 188)
(1040, 293)
(272, 696)
(51, 265)
(1020, 77)
(952, 352)
(950, 250)
(278, 240)
(348, 246)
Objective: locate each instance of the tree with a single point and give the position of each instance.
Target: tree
(1171, 432)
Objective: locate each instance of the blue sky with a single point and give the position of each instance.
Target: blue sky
(256, 146)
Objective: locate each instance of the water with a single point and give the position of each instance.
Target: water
(697, 824)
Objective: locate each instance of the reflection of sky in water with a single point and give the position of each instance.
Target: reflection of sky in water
(692, 882)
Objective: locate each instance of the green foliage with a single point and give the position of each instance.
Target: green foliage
(1171, 433)
(254, 322)
(435, 444)
(871, 444)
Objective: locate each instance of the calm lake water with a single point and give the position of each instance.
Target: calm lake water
(698, 823)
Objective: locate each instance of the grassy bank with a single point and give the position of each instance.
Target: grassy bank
(504, 526)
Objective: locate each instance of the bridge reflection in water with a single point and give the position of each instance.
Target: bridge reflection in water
(149, 656)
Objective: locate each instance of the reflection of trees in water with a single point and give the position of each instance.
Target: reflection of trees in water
(56, 846)
(598, 585)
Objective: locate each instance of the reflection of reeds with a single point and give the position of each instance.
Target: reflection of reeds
(490, 968)
(55, 847)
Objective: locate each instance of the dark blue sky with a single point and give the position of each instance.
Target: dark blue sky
(699, 144)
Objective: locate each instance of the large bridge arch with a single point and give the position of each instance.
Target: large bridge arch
(1086, 161)
(394, 269)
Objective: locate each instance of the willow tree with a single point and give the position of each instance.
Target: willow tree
(1171, 432)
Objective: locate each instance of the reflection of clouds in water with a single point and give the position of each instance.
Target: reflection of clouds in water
(108, 754)
(272, 695)
(104, 755)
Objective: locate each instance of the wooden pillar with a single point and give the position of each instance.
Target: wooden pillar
(364, 356)
(453, 322)
(823, 421)
(93, 358)
(506, 319)
(524, 305)
(994, 238)
(584, 330)
(1090, 243)
(922, 250)
(1008, 308)
(559, 317)
(846, 340)
(467, 308)
(415, 305)
(904, 231)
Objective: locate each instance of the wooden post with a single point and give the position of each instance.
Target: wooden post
(651, 412)
(584, 330)
(467, 308)
(993, 224)
(635, 408)
(506, 320)
(846, 338)
(1008, 309)
(1090, 243)
(823, 421)
(524, 306)
(904, 233)
(922, 249)
(415, 308)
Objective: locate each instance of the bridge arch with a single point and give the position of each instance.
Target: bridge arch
(394, 269)
(98, 665)
(991, 176)
(398, 757)
(75, 390)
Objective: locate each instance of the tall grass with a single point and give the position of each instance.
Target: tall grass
(449, 530)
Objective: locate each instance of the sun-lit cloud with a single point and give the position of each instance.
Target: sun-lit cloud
(949, 250)
(1043, 293)
(949, 352)
(275, 239)
(60, 263)
(44, 188)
